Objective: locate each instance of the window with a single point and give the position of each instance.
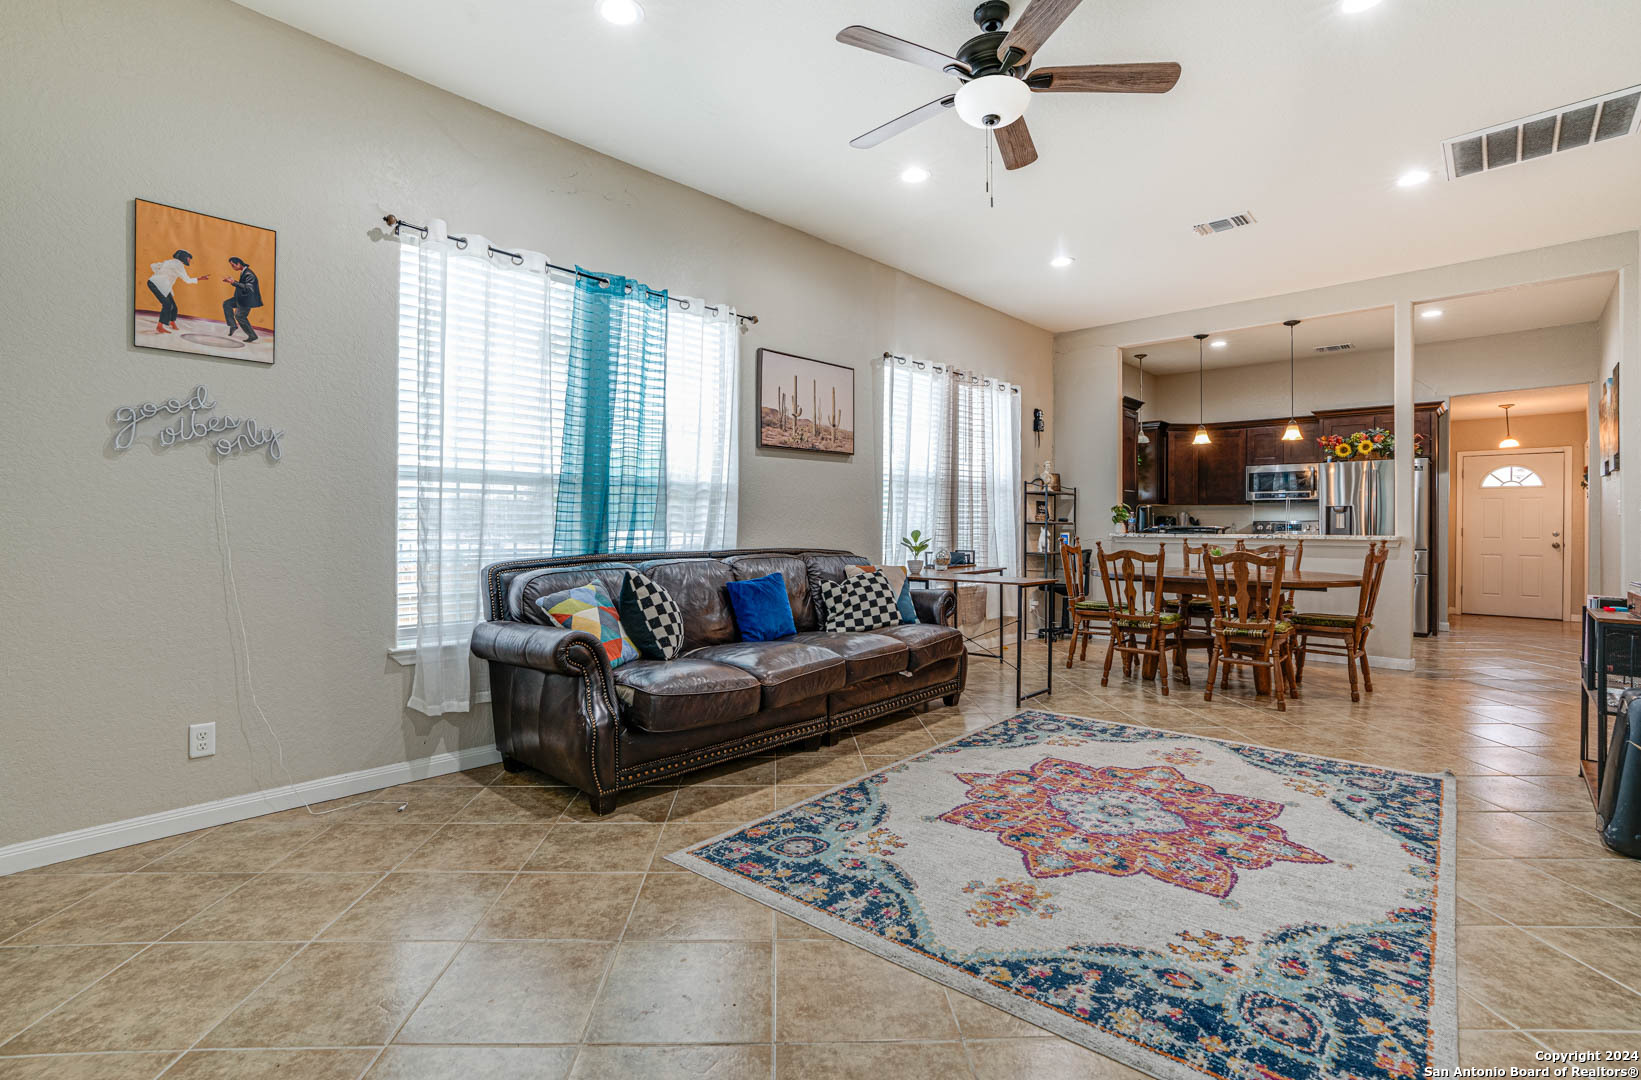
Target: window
(1512, 476)
(484, 353)
(951, 462)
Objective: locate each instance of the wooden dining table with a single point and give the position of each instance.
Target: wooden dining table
(1187, 584)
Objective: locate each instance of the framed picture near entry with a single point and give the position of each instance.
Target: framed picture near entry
(202, 284)
(805, 404)
(1608, 417)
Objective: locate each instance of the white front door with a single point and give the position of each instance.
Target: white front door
(1513, 536)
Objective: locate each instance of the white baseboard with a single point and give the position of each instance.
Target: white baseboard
(1389, 663)
(96, 838)
(1443, 627)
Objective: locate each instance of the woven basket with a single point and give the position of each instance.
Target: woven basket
(971, 605)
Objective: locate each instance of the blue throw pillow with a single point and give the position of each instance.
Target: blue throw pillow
(904, 605)
(762, 609)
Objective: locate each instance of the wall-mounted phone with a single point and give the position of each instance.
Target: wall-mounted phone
(1037, 424)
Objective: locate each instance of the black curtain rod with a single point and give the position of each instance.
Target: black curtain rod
(984, 378)
(461, 241)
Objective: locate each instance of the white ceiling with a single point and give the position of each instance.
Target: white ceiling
(1504, 311)
(1287, 108)
(1554, 399)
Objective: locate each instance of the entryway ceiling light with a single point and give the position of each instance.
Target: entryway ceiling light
(1509, 442)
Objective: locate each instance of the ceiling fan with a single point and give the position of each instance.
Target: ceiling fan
(994, 68)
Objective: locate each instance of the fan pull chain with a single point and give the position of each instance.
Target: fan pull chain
(991, 194)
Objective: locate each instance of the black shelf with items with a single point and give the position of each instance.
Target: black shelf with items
(1610, 663)
(1040, 545)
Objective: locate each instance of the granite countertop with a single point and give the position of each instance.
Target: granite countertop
(1270, 538)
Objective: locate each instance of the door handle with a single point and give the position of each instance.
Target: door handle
(1556, 545)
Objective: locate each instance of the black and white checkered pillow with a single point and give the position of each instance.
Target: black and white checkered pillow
(651, 617)
(865, 602)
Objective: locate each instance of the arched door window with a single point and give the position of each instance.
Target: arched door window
(1512, 476)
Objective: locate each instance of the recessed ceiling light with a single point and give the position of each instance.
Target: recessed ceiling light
(1431, 313)
(620, 12)
(914, 174)
(1412, 178)
(1352, 7)
(1060, 262)
(1220, 344)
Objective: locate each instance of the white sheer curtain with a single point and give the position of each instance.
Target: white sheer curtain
(481, 400)
(484, 346)
(951, 461)
(703, 459)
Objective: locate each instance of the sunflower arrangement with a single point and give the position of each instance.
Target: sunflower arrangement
(1370, 444)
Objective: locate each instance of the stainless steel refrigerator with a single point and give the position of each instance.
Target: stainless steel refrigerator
(1359, 499)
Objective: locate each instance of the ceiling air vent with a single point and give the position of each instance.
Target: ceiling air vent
(1335, 348)
(1224, 224)
(1543, 134)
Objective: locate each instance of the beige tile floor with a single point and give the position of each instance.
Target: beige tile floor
(497, 929)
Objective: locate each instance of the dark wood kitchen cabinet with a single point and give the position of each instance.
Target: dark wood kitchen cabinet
(1151, 464)
(1130, 450)
(1305, 449)
(1221, 478)
(1210, 475)
(1181, 468)
(1265, 446)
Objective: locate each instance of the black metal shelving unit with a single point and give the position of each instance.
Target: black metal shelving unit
(1610, 660)
(1060, 510)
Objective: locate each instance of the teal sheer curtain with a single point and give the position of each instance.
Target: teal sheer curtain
(613, 470)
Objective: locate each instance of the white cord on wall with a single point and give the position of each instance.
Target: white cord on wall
(245, 651)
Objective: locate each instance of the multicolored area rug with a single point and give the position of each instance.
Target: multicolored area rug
(1188, 906)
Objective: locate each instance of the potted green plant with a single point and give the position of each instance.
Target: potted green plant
(915, 544)
(1122, 514)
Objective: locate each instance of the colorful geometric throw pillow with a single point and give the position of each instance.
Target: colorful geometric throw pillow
(588, 608)
(651, 617)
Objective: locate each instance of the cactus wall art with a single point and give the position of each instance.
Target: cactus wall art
(805, 404)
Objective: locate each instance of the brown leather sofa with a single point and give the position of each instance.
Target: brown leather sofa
(560, 708)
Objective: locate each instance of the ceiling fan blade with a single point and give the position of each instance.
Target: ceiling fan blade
(901, 123)
(864, 37)
(1040, 19)
(1014, 143)
(1105, 79)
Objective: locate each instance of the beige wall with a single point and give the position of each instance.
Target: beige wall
(1607, 515)
(1547, 431)
(116, 635)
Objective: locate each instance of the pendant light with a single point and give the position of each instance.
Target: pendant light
(1291, 433)
(1201, 438)
(1142, 438)
(1509, 442)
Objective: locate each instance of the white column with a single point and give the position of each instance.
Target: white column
(1403, 391)
(1393, 617)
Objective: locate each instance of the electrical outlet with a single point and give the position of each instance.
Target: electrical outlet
(202, 740)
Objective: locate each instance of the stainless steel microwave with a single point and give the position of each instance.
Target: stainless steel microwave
(1268, 483)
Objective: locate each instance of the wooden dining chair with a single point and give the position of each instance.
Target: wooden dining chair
(1140, 629)
(1087, 613)
(1294, 556)
(1344, 635)
(1245, 589)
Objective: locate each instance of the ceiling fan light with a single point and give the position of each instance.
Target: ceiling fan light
(993, 101)
(621, 12)
(1292, 433)
(1201, 437)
